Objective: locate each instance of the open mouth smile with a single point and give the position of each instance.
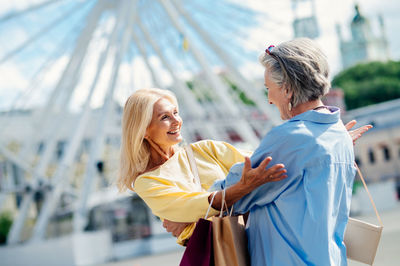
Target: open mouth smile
(173, 132)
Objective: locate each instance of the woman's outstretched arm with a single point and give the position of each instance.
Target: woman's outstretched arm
(251, 179)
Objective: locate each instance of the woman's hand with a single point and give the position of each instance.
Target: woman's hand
(251, 179)
(175, 228)
(254, 177)
(356, 133)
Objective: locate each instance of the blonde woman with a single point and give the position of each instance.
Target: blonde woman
(158, 170)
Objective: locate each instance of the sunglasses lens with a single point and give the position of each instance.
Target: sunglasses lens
(269, 49)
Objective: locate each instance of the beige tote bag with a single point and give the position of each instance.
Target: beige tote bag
(362, 238)
(229, 239)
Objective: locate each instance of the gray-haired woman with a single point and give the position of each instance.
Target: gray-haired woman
(299, 220)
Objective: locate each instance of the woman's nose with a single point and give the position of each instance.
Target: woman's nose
(176, 119)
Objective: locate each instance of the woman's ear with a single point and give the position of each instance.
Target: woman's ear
(288, 93)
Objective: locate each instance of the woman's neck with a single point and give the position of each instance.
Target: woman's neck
(158, 156)
(307, 106)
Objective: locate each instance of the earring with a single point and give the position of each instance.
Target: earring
(290, 106)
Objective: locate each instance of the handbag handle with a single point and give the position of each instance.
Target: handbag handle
(195, 171)
(209, 206)
(369, 194)
(223, 203)
(193, 165)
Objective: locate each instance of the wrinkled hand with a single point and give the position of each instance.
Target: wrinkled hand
(175, 228)
(356, 133)
(254, 177)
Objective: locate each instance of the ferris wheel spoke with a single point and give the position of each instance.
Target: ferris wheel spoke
(21, 101)
(183, 93)
(144, 55)
(42, 32)
(236, 75)
(30, 9)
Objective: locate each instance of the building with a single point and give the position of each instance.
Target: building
(364, 45)
(378, 151)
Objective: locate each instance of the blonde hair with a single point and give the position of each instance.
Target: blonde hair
(299, 66)
(135, 150)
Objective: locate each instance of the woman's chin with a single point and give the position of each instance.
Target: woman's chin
(178, 139)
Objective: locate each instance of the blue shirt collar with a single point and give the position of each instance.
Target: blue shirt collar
(319, 117)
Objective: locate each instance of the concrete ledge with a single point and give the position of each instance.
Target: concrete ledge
(79, 249)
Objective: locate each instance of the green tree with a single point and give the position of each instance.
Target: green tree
(5, 225)
(369, 83)
(242, 95)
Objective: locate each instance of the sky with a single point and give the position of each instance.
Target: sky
(274, 26)
(277, 28)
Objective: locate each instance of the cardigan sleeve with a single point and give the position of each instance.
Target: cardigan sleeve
(171, 202)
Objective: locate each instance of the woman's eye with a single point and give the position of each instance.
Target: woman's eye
(176, 112)
(164, 117)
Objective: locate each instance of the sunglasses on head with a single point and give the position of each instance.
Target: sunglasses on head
(269, 49)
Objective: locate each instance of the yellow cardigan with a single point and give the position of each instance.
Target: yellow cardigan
(170, 192)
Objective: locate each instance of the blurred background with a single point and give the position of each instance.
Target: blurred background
(67, 67)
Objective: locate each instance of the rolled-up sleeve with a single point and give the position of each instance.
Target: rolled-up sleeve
(170, 202)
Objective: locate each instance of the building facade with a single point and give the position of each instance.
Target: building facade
(378, 151)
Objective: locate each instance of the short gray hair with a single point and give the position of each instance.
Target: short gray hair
(299, 66)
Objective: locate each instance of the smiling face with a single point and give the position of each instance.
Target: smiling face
(277, 95)
(165, 125)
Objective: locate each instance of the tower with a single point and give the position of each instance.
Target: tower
(364, 45)
(305, 22)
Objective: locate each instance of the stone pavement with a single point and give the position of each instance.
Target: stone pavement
(388, 253)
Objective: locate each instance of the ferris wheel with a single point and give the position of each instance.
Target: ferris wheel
(81, 59)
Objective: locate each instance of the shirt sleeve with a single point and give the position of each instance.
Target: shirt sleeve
(267, 192)
(168, 201)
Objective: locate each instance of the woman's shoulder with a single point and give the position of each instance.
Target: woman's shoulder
(161, 172)
(282, 130)
(207, 144)
(219, 149)
(296, 127)
(288, 133)
(148, 176)
(213, 145)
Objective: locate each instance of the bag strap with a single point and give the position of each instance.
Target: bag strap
(369, 194)
(193, 165)
(195, 171)
(223, 203)
(209, 206)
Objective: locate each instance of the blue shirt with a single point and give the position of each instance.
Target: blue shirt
(300, 220)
